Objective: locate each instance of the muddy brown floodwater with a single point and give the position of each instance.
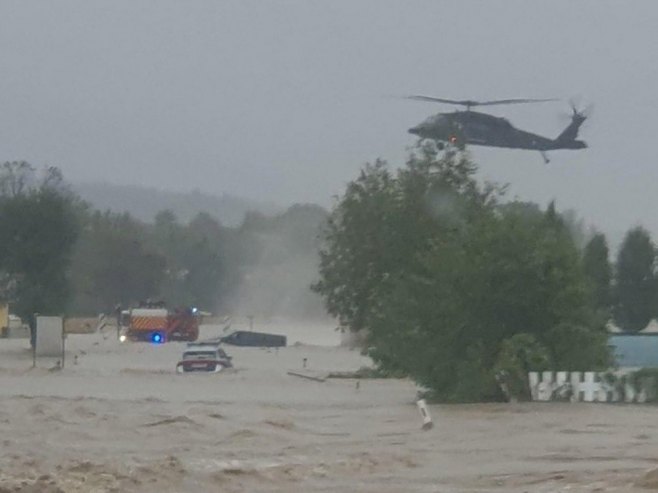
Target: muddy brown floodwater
(121, 420)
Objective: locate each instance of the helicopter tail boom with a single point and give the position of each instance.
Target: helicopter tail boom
(568, 138)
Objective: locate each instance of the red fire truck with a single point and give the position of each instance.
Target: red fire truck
(153, 322)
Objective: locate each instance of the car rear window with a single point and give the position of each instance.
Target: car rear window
(199, 355)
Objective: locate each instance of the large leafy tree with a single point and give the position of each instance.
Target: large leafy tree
(636, 287)
(440, 276)
(38, 229)
(361, 247)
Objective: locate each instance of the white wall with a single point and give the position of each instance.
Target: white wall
(587, 386)
(49, 336)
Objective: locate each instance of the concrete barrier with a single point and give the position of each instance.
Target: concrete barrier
(50, 336)
(425, 414)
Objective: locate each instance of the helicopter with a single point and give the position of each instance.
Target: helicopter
(462, 128)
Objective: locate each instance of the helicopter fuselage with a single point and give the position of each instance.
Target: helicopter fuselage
(475, 128)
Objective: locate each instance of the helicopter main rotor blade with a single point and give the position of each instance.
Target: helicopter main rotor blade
(513, 101)
(441, 100)
(469, 103)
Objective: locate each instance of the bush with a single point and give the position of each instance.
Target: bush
(520, 354)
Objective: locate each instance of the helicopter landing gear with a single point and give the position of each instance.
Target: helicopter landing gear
(545, 157)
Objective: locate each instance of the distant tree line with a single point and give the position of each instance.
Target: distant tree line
(59, 256)
(461, 290)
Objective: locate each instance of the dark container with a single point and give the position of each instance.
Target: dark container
(254, 339)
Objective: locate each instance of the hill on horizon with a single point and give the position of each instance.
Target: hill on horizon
(144, 202)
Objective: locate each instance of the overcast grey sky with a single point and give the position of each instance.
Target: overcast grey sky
(285, 100)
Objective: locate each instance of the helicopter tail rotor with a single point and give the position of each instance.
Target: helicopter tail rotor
(577, 109)
(584, 113)
(568, 137)
(577, 114)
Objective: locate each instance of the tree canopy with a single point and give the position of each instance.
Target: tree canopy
(599, 272)
(58, 255)
(440, 275)
(38, 230)
(636, 287)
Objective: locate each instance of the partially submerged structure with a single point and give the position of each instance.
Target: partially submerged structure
(254, 339)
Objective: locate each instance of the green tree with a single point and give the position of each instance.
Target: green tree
(119, 259)
(196, 259)
(598, 271)
(440, 276)
(38, 229)
(636, 290)
(114, 264)
(503, 276)
(360, 251)
(519, 355)
(203, 263)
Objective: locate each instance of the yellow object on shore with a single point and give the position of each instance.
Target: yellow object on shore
(4, 319)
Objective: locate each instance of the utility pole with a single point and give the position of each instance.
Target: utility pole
(63, 340)
(33, 338)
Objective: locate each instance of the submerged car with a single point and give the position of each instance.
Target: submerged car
(204, 357)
